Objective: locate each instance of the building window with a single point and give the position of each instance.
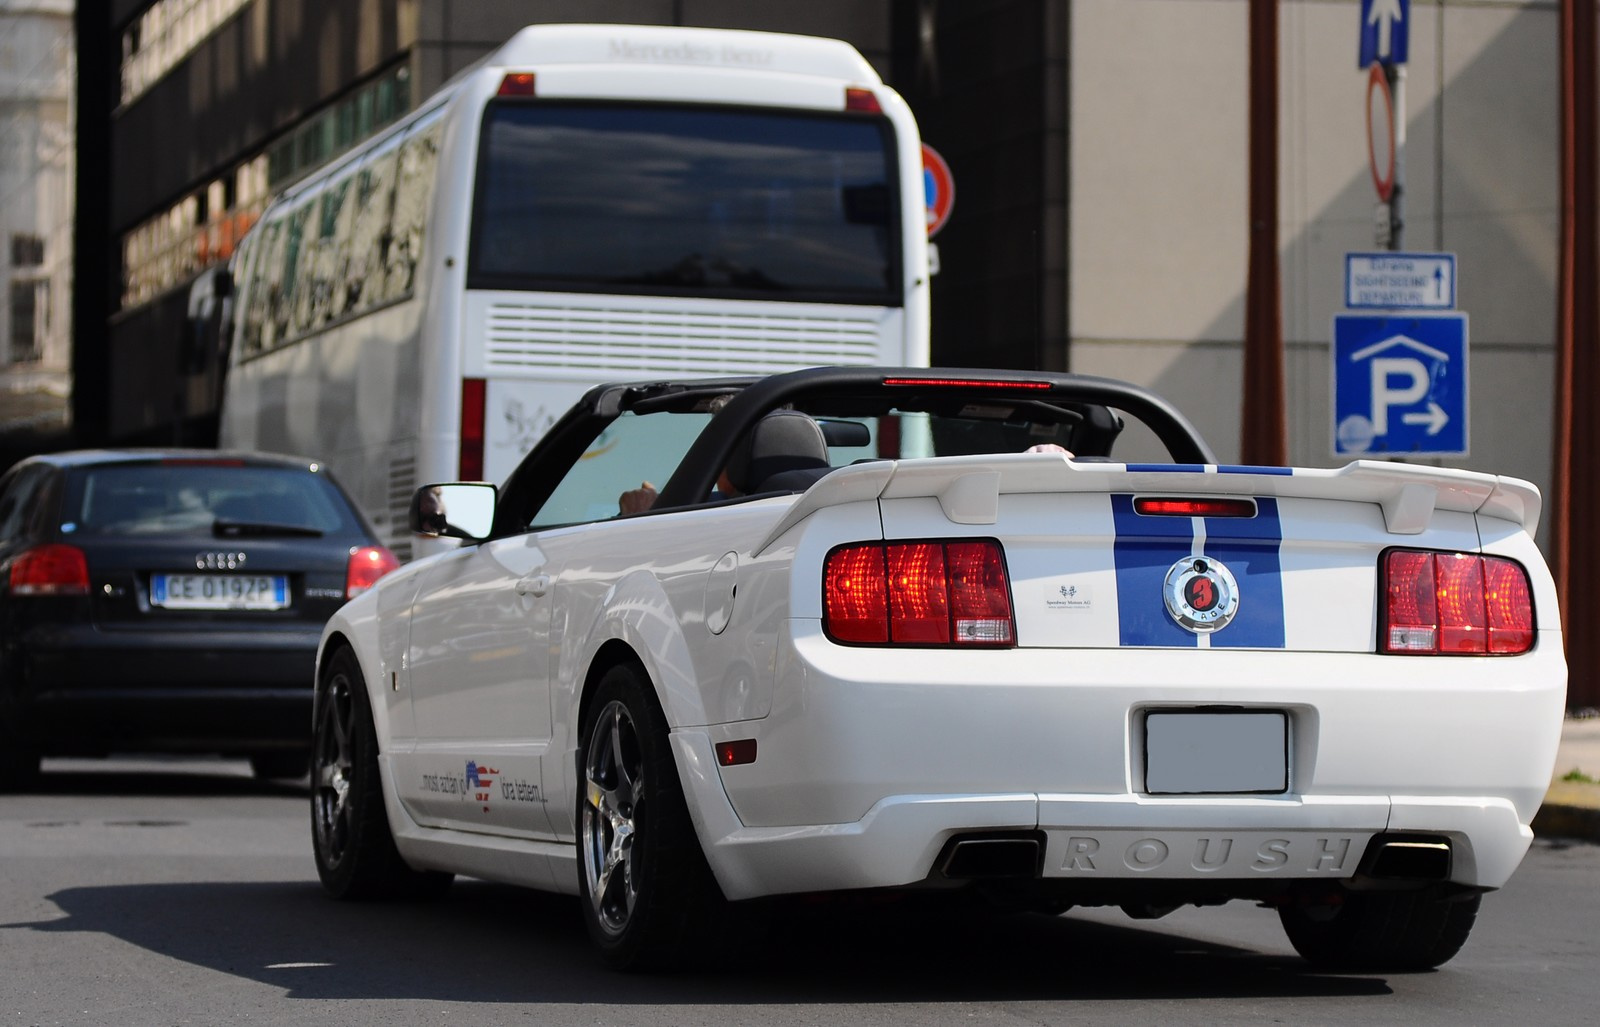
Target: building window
(164, 35)
(27, 250)
(30, 308)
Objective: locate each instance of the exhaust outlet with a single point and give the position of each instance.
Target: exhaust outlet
(992, 858)
(1409, 860)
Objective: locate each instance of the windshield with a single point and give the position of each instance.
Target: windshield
(686, 201)
(191, 498)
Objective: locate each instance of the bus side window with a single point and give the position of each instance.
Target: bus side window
(419, 162)
(265, 278)
(370, 238)
(284, 327)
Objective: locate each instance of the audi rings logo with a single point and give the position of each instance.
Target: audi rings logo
(1201, 594)
(218, 561)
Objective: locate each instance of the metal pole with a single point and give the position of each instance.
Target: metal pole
(1262, 423)
(1396, 74)
(1574, 546)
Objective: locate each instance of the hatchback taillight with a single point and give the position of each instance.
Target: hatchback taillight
(1454, 604)
(367, 565)
(918, 593)
(50, 570)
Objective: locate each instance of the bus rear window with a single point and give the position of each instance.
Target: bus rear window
(686, 201)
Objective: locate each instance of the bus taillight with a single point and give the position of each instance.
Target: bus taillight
(518, 83)
(472, 396)
(862, 101)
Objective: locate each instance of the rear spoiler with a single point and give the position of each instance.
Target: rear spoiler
(968, 488)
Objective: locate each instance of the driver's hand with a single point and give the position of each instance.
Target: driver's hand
(637, 500)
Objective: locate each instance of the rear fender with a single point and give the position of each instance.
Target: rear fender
(639, 614)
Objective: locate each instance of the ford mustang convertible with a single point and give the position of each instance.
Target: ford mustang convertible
(997, 634)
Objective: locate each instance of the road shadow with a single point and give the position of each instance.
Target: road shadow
(490, 943)
(174, 776)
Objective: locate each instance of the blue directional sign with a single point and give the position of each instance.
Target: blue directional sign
(1400, 384)
(1385, 31)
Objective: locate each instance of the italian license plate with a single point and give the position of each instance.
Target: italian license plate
(219, 591)
(1200, 752)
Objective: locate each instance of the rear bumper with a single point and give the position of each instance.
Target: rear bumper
(871, 763)
(81, 690)
(1099, 848)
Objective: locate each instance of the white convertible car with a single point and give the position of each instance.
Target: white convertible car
(869, 637)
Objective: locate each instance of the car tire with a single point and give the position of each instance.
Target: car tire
(284, 766)
(19, 755)
(19, 762)
(1386, 930)
(350, 834)
(647, 892)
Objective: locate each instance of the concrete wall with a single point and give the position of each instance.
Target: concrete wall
(1158, 186)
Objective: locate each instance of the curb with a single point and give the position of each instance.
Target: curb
(1571, 810)
(1559, 820)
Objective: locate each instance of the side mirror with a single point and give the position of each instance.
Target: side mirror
(463, 510)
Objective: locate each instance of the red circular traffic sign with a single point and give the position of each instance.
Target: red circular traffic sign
(939, 188)
(1380, 131)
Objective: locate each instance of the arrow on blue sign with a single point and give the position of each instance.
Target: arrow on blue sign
(1384, 31)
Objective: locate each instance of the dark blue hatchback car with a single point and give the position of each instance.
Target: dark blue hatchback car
(169, 601)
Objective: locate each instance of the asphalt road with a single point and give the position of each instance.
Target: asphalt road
(183, 893)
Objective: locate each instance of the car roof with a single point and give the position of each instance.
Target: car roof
(77, 458)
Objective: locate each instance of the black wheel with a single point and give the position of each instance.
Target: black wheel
(19, 753)
(19, 762)
(646, 889)
(356, 856)
(1387, 930)
(289, 764)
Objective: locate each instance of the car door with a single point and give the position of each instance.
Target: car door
(479, 683)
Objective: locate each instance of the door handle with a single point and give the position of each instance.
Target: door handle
(533, 585)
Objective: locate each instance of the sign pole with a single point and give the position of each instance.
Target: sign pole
(1396, 74)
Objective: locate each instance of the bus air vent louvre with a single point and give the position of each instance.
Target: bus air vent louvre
(592, 341)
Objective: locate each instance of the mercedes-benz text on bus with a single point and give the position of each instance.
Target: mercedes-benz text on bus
(587, 203)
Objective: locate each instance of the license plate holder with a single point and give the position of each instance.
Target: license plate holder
(1221, 752)
(219, 591)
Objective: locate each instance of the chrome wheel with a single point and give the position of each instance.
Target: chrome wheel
(333, 767)
(614, 782)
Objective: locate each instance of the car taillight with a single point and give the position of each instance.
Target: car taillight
(918, 593)
(367, 565)
(50, 570)
(1455, 604)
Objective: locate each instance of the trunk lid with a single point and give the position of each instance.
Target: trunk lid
(1091, 566)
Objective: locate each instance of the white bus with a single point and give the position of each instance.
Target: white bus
(588, 203)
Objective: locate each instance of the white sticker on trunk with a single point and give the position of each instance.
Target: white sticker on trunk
(1068, 596)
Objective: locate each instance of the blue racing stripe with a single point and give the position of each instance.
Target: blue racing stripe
(1249, 548)
(1252, 469)
(1145, 549)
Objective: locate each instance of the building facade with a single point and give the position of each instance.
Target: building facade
(36, 198)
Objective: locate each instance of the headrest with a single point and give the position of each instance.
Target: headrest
(784, 440)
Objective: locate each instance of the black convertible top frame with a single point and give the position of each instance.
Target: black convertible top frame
(835, 391)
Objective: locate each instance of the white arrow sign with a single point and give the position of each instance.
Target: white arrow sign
(1384, 14)
(1434, 417)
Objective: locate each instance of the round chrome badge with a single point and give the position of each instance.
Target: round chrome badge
(1201, 594)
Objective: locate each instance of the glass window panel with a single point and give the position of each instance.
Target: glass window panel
(686, 200)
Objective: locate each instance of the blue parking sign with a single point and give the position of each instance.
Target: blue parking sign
(1400, 384)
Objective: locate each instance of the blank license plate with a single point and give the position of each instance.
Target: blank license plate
(219, 591)
(1205, 753)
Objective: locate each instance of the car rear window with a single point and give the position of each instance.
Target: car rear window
(185, 499)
